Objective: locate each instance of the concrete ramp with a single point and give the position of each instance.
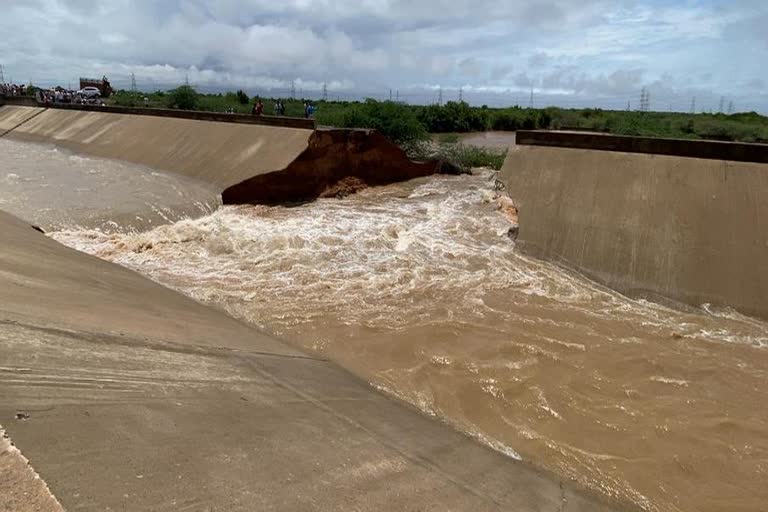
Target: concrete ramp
(13, 116)
(220, 153)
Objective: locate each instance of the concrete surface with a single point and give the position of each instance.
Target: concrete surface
(11, 117)
(706, 149)
(219, 153)
(141, 399)
(689, 229)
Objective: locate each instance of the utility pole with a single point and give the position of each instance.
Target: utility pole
(293, 89)
(693, 105)
(722, 104)
(325, 91)
(530, 102)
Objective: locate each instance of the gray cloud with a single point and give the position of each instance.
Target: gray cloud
(600, 47)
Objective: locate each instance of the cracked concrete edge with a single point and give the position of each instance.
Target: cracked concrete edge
(21, 488)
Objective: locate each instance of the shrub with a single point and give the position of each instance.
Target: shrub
(453, 117)
(448, 138)
(463, 157)
(396, 121)
(467, 157)
(184, 98)
(242, 97)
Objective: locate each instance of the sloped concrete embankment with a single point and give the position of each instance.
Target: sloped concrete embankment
(219, 153)
(12, 117)
(252, 163)
(691, 229)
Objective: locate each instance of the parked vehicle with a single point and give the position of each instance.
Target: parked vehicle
(103, 86)
(89, 92)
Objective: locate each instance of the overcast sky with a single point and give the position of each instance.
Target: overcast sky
(568, 52)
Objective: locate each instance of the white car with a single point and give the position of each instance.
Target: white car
(89, 92)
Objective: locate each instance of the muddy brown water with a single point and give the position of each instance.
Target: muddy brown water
(417, 288)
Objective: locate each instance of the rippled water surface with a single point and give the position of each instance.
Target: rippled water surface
(417, 288)
(53, 188)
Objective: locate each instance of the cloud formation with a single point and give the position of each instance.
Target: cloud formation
(601, 51)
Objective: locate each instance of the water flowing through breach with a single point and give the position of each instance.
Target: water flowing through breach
(417, 288)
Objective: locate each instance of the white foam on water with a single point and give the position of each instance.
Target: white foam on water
(429, 262)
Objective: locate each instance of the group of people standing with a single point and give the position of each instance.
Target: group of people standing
(13, 90)
(279, 108)
(258, 107)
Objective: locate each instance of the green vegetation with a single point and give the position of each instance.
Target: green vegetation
(184, 98)
(447, 138)
(463, 156)
(410, 125)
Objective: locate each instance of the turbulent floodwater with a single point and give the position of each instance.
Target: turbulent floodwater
(417, 288)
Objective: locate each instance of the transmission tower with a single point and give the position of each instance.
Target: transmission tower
(731, 107)
(390, 95)
(693, 105)
(2, 75)
(397, 95)
(293, 89)
(530, 102)
(461, 94)
(629, 105)
(325, 91)
(133, 83)
(645, 100)
(722, 104)
(440, 96)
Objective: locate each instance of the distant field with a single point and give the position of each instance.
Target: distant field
(407, 122)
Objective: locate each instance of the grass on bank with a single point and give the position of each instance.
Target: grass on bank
(411, 126)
